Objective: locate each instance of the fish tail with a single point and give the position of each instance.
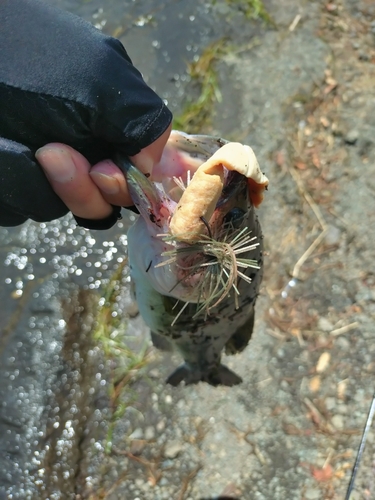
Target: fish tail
(161, 343)
(220, 375)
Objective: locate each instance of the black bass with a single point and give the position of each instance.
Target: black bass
(196, 286)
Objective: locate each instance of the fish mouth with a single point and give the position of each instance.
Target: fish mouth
(156, 199)
(207, 270)
(157, 205)
(144, 193)
(212, 266)
(233, 201)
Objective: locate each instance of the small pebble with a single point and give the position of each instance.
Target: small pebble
(342, 343)
(280, 353)
(312, 494)
(370, 438)
(356, 495)
(343, 409)
(363, 56)
(137, 446)
(330, 403)
(172, 449)
(136, 434)
(149, 433)
(333, 235)
(352, 137)
(325, 325)
(338, 422)
(132, 310)
(160, 426)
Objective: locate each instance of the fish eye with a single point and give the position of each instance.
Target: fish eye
(234, 217)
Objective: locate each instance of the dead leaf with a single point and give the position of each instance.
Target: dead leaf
(331, 7)
(324, 121)
(280, 158)
(321, 475)
(301, 165)
(332, 84)
(314, 384)
(323, 362)
(316, 160)
(331, 81)
(341, 389)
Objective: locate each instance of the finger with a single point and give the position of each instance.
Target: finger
(151, 155)
(111, 182)
(68, 173)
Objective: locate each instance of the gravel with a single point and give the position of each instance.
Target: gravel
(304, 99)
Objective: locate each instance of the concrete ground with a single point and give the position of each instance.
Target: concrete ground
(85, 418)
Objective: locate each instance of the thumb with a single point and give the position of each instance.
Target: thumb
(68, 173)
(149, 156)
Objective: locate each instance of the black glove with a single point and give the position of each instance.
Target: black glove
(62, 80)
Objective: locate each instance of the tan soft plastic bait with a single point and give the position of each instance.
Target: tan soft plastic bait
(202, 194)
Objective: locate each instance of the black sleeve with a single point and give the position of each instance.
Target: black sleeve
(62, 80)
(24, 189)
(25, 192)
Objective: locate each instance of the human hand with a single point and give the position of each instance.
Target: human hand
(71, 85)
(90, 192)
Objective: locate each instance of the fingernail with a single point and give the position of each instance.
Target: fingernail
(56, 163)
(143, 162)
(105, 183)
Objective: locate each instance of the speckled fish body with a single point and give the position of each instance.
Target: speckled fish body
(168, 290)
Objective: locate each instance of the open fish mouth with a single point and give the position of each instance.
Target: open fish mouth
(196, 253)
(212, 265)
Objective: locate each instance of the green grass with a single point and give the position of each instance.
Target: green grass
(252, 9)
(124, 363)
(196, 114)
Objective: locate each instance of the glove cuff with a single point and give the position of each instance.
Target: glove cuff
(101, 224)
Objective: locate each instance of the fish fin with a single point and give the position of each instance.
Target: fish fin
(161, 342)
(221, 375)
(241, 337)
(181, 373)
(221, 498)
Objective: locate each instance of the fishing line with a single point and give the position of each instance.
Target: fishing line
(207, 226)
(361, 448)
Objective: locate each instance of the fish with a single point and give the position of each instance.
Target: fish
(196, 293)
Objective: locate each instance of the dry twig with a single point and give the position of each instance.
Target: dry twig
(318, 214)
